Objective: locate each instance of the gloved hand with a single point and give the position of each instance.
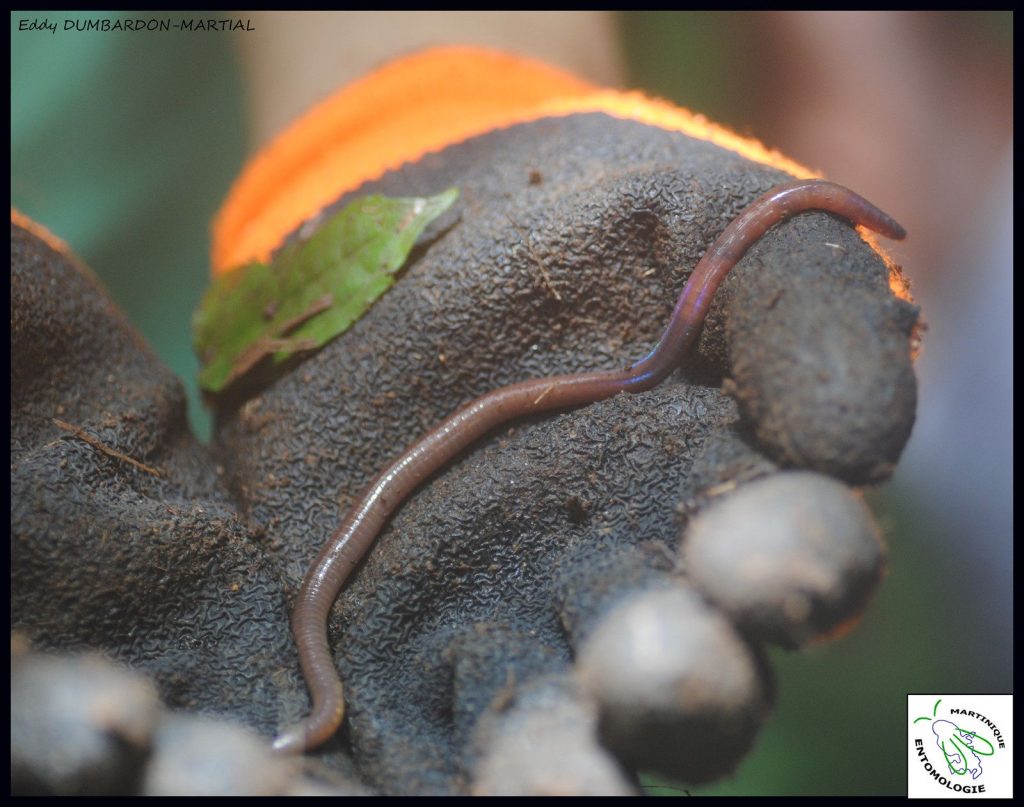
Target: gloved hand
(526, 621)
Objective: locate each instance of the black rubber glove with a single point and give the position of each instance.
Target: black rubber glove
(525, 623)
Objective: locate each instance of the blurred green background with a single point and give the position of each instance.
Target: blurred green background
(125, 145)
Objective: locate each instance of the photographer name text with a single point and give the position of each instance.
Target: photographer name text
(150, 24)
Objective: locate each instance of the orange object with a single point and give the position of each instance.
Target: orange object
(39, 231)
(408, 108)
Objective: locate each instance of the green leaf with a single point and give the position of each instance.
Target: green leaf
(313, 290)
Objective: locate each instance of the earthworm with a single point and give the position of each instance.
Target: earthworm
(394, 484)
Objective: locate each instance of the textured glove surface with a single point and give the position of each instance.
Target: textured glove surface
(566, 252)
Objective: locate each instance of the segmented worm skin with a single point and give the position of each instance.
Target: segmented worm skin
(394, 484)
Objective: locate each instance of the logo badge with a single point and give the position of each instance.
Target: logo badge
(959, 746)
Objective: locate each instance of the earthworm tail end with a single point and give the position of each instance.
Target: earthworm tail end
(309, 626)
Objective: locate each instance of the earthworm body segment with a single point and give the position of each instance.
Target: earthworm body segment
(394, 484)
